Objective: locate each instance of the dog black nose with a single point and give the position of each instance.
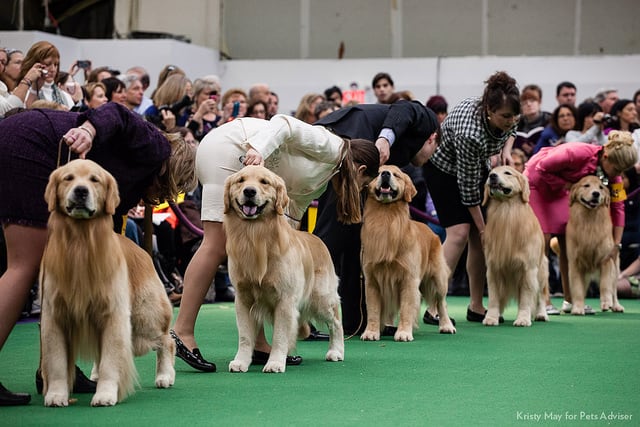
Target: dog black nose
(80, 193)
(493, 177)
(385, 178)
(595, 194)
(249, 192)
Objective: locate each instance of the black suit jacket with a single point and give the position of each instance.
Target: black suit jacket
(411, 122)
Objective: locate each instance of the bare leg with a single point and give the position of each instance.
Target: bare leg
(477, 270)
(197, 279)
(453, 246)
(25, 246)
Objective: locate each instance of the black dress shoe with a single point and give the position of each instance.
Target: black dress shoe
(261, 358)
(82, 384)
(316, 335)
(8, 398)
(472, 316)
(435, 320)
(389, 331)
(193, 358)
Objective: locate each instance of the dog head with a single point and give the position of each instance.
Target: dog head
(82, 189)
(504, 183)
(254, 191)
(392, 185)
(590, 193)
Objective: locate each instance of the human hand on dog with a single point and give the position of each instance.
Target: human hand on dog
(253, 157)
(80, 139)
(384, 148)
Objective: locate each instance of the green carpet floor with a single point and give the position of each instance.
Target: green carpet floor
(571, 371)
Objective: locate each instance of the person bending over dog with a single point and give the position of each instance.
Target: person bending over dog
(145, 162)
(307, 157)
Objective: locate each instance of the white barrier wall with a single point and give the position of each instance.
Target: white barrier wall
(454, 78)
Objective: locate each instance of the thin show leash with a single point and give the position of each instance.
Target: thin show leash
(42, 281)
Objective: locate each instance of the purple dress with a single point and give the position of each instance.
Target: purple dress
(131, 149)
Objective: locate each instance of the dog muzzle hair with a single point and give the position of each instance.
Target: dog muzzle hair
(384, 190)
(248, 205)
(80, 203)
(593, 202)
(496, 188)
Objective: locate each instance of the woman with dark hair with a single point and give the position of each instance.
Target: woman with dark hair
(589, 125)
(146, 163)
(116, 90)
(309, 158)
(563, 119)
(474, 131)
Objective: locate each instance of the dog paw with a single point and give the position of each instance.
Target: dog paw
(104, 399)
(334, 356)
(238, 366)
(370, 336)
(490, 321)
(55, 399)
(522, 322)
(274, 367)
(164, 380)
(577, 311)
(447, 329)
(542, 317)
(617, 308)
(403, 336)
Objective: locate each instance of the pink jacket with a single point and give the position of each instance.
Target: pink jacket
(552, 168)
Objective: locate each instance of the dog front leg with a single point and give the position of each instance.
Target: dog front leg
(116, 369)
(492, 318)
(374, 308)
(409, 308)
(578, 289)
(55, 362)
(608, 288)
(285, 325)
(527, 298)
(247, 332)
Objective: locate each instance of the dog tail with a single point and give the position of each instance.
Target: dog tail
(128, 380)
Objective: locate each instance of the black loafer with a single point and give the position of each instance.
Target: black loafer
(8, 398)
(472, 316)
(389, 331)
(435, 320)
(82, 384)
(261, 358)
(316, 335)
(192, 358)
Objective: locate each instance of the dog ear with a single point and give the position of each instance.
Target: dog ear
(607, 197)
(524, 185)
(227, 195)
(573, 194)
(282, 199)
(485, 199)
(51, 192)
(112, 196)
(409, 189)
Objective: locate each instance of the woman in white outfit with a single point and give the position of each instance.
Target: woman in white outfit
(307, 157)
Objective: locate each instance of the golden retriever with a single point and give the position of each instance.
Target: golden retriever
(101, 297)
(281, 275)
(514, 249)
(401, 259)
(590, 244)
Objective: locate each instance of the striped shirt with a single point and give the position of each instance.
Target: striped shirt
(467, 144)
